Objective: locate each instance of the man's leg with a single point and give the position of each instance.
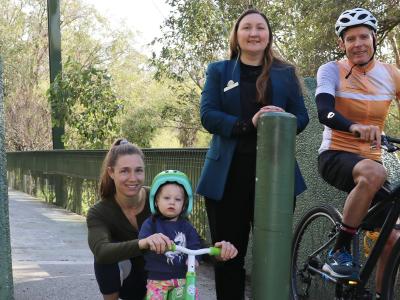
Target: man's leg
(361, 178)
(369, 176)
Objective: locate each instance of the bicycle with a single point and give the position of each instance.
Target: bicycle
(317, 231)
(188, 292)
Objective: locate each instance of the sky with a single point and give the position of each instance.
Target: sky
(141, 16)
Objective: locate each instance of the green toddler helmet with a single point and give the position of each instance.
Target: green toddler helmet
(172, 176)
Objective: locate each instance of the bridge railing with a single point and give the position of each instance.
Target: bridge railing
(69, 178)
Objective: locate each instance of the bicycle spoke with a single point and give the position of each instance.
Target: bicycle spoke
(308, 281)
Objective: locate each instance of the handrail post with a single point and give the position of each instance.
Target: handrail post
(273, 210)
(6, 279)
(55, 66)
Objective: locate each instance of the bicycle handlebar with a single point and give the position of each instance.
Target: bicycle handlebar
(391, 139)
(387, 143)
(214, 251)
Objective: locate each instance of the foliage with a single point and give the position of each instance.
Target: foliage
(141, 125)
(28, 124)
(83, 98)
(197, 33)
(89, 40)
(22, 31)
(183, 113)
(305, 36)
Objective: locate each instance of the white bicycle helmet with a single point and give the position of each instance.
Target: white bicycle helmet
(354, 17)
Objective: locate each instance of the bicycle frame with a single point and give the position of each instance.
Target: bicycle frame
(387, 228)
(189, 292)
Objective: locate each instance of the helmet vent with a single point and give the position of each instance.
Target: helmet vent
(362, 17)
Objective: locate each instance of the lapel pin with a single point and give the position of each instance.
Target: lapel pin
(230, 85)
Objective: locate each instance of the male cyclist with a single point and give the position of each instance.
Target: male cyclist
(353, 97)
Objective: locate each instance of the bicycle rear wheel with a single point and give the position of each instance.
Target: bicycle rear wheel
(315, 229)
(391, 276)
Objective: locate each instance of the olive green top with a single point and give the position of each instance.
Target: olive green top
(111, 236)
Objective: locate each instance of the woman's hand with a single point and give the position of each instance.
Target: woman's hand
(228, 251)
(157, 242)
(264, 109)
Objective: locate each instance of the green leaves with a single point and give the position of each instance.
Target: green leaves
(83, 99)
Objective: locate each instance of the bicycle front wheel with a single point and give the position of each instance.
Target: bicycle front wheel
(314, 230)
(391, 276)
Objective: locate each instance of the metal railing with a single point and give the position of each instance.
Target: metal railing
(69, 178)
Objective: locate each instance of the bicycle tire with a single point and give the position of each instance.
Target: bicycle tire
(314, 229)
(391, 276)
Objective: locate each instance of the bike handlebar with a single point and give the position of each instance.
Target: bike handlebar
(391, 139)
(214, 251)
(387, 143)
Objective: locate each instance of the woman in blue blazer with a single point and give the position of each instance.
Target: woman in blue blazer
(235, 94)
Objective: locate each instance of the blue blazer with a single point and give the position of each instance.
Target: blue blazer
(221, 109)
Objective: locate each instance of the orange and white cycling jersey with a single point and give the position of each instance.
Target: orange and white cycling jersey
(363, 98)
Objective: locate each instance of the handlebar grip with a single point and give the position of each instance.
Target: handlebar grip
(172, 247)
(215, 251)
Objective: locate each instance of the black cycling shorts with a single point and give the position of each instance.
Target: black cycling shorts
(336, 168)
(109, 279)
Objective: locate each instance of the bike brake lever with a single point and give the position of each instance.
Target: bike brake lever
(388, 146)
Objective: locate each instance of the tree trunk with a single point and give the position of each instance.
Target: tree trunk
(393, 38)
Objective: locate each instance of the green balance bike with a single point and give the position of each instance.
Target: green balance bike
(188, 292)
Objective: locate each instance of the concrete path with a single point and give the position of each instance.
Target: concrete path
(50, 255)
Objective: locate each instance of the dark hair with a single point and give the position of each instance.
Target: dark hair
(119, 147)
(269, 54)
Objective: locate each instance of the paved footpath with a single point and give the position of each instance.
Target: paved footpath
(50, 255)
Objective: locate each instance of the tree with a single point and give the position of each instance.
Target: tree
(22, 31)
(90, 42)
(84, 99)
(306, 35)
(197, 33)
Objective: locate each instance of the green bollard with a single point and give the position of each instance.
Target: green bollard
(273, 209)
(6, 279)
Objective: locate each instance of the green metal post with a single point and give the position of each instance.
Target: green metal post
(6, 279)
(273, 210)
(54, 33)
(57, 131)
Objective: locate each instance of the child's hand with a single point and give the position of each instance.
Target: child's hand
(157, 242)
(228, 251)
